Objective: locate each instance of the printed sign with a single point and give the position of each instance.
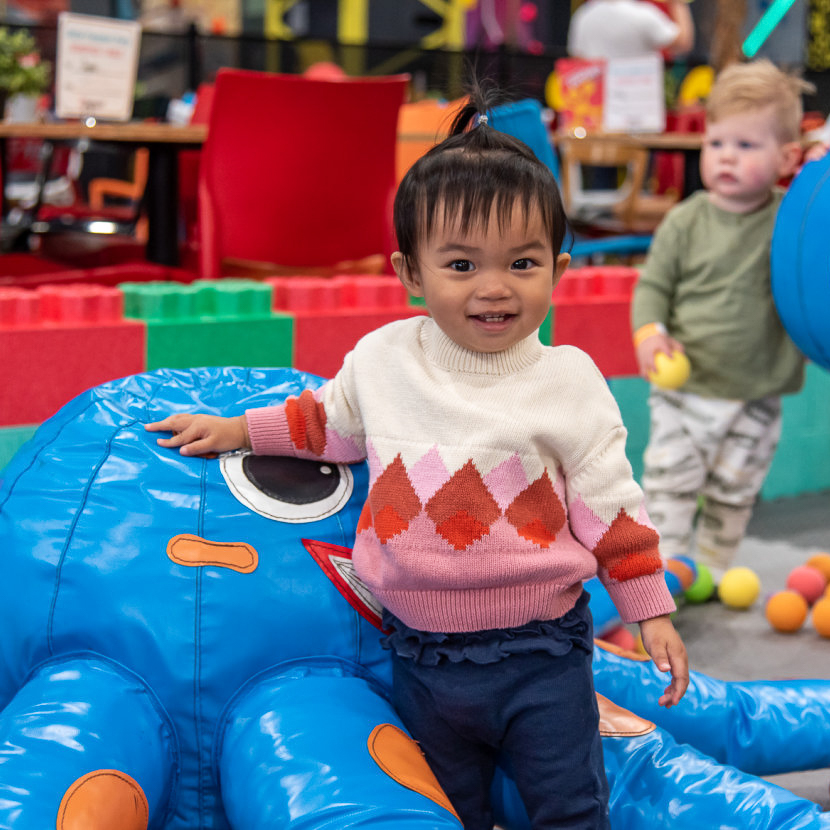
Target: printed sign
(96, 67)
(634, 96)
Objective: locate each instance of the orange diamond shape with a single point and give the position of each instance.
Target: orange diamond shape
(462, 529)
(536, 513)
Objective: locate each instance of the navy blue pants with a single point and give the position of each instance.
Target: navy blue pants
(535, 711)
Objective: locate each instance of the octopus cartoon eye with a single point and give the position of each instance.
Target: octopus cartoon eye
(293, 490)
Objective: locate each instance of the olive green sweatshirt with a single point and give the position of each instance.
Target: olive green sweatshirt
(707, 279)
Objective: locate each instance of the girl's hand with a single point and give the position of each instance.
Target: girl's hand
(202, 434)
(666, 649)
(650, 346)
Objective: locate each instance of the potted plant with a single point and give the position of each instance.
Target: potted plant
(22, 72)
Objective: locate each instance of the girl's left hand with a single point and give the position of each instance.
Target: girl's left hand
(666, 649)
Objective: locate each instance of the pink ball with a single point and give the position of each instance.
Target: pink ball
(807, 581)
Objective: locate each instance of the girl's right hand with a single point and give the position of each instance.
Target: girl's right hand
(650, 346)
(202, 434)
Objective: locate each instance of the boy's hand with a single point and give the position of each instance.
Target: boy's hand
(202, 434)
(816, 151)
(666, 649)
(646, 351)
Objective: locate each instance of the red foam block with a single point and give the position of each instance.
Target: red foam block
(46, 365)
(324, 294)
(602, 328)
(57, 342)
(322, 340)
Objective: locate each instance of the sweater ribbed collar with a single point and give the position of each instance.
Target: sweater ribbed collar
(447, 354)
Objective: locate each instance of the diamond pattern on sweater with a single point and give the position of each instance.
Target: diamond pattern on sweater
(507, 480)
(463, 509)
(429, 474)
(536, 513)
(628, 549)
(393, 501)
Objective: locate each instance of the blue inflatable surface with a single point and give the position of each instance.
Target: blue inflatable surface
(801, 261)
(184, 645)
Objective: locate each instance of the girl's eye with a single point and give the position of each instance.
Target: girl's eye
(746, 145)
(461, 265)
(522, 264)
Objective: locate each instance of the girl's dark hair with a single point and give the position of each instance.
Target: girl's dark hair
(475, 170)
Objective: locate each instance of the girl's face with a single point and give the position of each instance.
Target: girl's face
(742, 159)
(489, 288)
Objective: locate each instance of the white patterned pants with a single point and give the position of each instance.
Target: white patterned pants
(705, 462)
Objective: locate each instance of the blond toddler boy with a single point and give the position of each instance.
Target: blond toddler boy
(705, 290)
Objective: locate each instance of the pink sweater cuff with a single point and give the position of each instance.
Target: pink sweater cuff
(642, 598)
(268, 431)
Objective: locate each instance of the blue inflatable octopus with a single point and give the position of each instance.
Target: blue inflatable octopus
(184, 646)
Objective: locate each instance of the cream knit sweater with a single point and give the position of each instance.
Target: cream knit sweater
(497, 482)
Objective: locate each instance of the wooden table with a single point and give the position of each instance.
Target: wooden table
(651, 141)
(687, 143)
(164, 141)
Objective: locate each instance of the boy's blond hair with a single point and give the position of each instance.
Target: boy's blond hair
(746, 87)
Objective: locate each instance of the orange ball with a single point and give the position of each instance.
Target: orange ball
(682, 571)
(786, 611)
(821, 617)
(808, 581)
(821, 561)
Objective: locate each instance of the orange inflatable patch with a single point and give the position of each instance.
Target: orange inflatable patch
(105, 799)
(399, 757)
(186, 549)
(616, 722)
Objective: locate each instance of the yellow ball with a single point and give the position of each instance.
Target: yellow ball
(739, 588)
(821, 561)
(786, 611)
(821, 616)
(671, 371)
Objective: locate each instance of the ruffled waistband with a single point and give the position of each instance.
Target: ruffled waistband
(556, 637)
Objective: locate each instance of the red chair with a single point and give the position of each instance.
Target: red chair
(189, 161)
(298, 173)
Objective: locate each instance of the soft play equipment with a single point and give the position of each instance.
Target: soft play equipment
(800, 264)
(184, 645)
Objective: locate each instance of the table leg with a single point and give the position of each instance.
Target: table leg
(691, 172)
(162, 200)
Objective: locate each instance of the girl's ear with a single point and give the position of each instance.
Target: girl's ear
(408, 276)
(562, 263)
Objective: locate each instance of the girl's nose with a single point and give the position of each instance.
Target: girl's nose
(493, 284)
